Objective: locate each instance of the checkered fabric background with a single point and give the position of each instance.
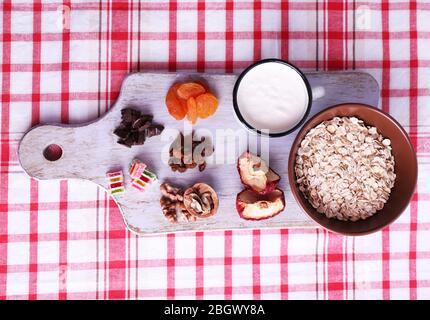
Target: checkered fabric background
(64, 62)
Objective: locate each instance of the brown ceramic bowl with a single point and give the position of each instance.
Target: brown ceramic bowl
(405, 169)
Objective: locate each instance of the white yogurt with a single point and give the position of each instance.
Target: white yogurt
(272, 96)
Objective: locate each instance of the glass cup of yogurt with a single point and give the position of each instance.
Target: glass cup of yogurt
(272, 97)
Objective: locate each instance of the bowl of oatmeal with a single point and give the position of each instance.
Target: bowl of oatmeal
(352, 169)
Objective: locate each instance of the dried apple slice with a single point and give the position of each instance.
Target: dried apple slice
(253, 206)
(255, 174)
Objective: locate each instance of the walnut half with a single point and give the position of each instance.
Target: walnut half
(201, 200)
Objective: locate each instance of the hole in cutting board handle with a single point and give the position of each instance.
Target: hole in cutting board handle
(53, 152)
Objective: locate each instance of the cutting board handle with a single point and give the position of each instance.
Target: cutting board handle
(67, 151)
(45, 149)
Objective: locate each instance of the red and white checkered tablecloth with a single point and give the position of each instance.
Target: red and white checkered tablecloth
(64, 61)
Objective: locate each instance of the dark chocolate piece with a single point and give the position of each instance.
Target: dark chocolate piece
(129, 115)
(135, 128)
(153, 130)
(121, 132)
(142, 122)
(141, 137)
(125, 142)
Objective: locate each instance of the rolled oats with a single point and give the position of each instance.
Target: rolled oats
(345, 169)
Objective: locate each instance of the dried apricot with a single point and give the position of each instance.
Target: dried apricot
(207, 104)
(192, 110)
(190, 89)
(176, 106)
(203, 83)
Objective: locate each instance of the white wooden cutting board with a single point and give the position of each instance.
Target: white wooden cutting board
(90, 150)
